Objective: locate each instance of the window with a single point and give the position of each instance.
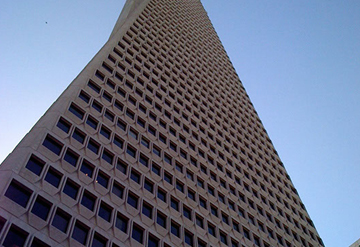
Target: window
(187, 212)
(147, 210)
(132, 200)
(121, 222)
(18, 193)
(135, 176)
(175, 229)
(52, 144)
(202, 202)
(76, 111)
(88, 200)
(105, 132)
(200, 182)
(133, 134)
(122, 125)
(121, 166)
(211, 230)
(93, 146)
(80, 232)
(149, 186)
(102, 179)
(174, 204)
(87, 168)
(61, 220)
(153, 242)
(35, 165)
(236, 226)
(118, 190)
(156, 169)
(223, 238)
(156, 151)
(15, 237)
(137, 233)
(105, 211)
(41, 208)
(71, 157)
(161, 219)
(189, 238)
(92, 122)
(38, 243)
(99, 241)
(199, 221)
(79, 136)
(63, 125)
(167, 159)
(144, 160)
(53, 177)
(189, 175)
(214, 211)
(131, 151)
(191, 194)
(118, 142)
(145, 142)
(168, 178)
(225, 218)
(180, 186)
(161, 195)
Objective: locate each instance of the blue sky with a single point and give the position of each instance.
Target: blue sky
(298, 60)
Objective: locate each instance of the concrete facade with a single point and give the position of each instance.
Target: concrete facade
(155, 143)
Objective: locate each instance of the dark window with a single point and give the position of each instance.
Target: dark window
(149, 186)
(189, 238)
(131, 151)
(130, 114)
(144, 160)
(175, 229)
(105, 132)
(18, 193)
(135, 176)
(53, 177)
(132, 200)
(2, 223)
(180, 186)
(187, 213)
(191, 194)
(214, 211)
(52, 145)
(175, 204)
(79, 136)
(211, 230)
(99, 241)
(84, 96)
(41, 208)
(168, 178)
(225, 218)
(76, 111)
(63, 125)
(105, 211)
(161, 219)
(88, 200)
(97, 106)
(121, 124)
(93, 146)
(121, 222)
(92, 122)
(121, 166)
(35, 165)
(161, 195)
(71, 157)
(15, 237)
(71, 189)
(199, 221)
(153, 242)
(118, 142)
(156, 151)
(118, 190)
(145, 142)
(202, 202)
(107, 156)
(61, 220)
(80, 232)
(94, 86)
(38, 243)
(137, 234)
(223, 238)
(147, 210)
(201, 243)
(156, 169)
(102, 179)
(109, 115)
(87, 168)
(167, 159)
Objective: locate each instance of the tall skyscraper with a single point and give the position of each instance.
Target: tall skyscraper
(155, 143)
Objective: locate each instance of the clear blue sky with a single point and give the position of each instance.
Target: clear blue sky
(298, 60)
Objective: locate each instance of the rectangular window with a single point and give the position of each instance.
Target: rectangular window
(71, 157)
(15, 237)
(105, 211)
(147, 210)
(74, 109)
(35, 165)
(102, 179)
(53, 177)
(137, 233)
(71, 189)
(52, 144)
(161, 219)
(175, 229)
(88, 200)
(79, 136)
(41, 208)
(63, 125)
(18, 193)
(121, 222)
(87, 168)
(61, 220)
(80, 232)
(132, 200)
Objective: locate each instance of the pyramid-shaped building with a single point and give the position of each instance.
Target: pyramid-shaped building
(155, 143)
